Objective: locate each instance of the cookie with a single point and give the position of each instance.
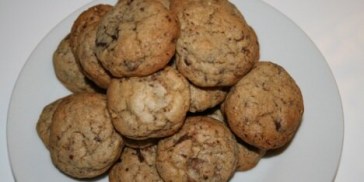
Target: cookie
(137, 165)
(149, 107)
(45, 120)
(69, 72)
(248, 156)
(203, 150)
(205, 98)
(265, 107)
(137, 38)
(83, 142)
(88, 61)
(216, 46)
(88, 17)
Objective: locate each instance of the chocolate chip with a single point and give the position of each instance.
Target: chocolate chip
(101, 44)
(277, 123)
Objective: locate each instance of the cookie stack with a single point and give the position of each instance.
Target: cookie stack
(166, 90)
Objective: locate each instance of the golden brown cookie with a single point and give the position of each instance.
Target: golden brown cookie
(88, 17)
(45, 120)
(149, 107)
(137, 165)
(203, 150)
(69, 72)
(205, 98)
(137, 38)
(265, 107)
(88, 61)
(248, 156)
(83, 142)
(216, 46)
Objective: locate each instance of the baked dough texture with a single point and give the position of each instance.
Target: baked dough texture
(88, 61)
(265, 107)
(137, 165)
(69, 72)
(216, 46)
(205, 98)
(88, 17)
(83, 142)
(149, 107)
(248, 156)
(45, 121)
(137, 38)
(203, 150)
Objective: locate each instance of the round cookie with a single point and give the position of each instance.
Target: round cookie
(248, 156)
(216, 46)
(265, 107)
(45, 120)
(203, 150)
(88, 61)
(137, 165)
(88, 17)
(69, 72)
(83, 142)
(137, 38)
(149, 107)
(205, 98)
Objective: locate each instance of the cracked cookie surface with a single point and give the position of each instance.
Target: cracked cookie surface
(83, 142)
(137, 38)
(203, 150)
(216, 46)
(265, 107)
(68, 70)
(149, 107)
(137, 165)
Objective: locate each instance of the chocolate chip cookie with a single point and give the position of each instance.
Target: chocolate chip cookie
(137, 38)
(45, 120)
(149, 107)
(203, 150)
(69, 72)
(88, 61)
(265, 107)
(216, 46)
(83, 142)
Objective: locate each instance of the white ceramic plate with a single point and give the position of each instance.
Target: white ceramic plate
(313, 155)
